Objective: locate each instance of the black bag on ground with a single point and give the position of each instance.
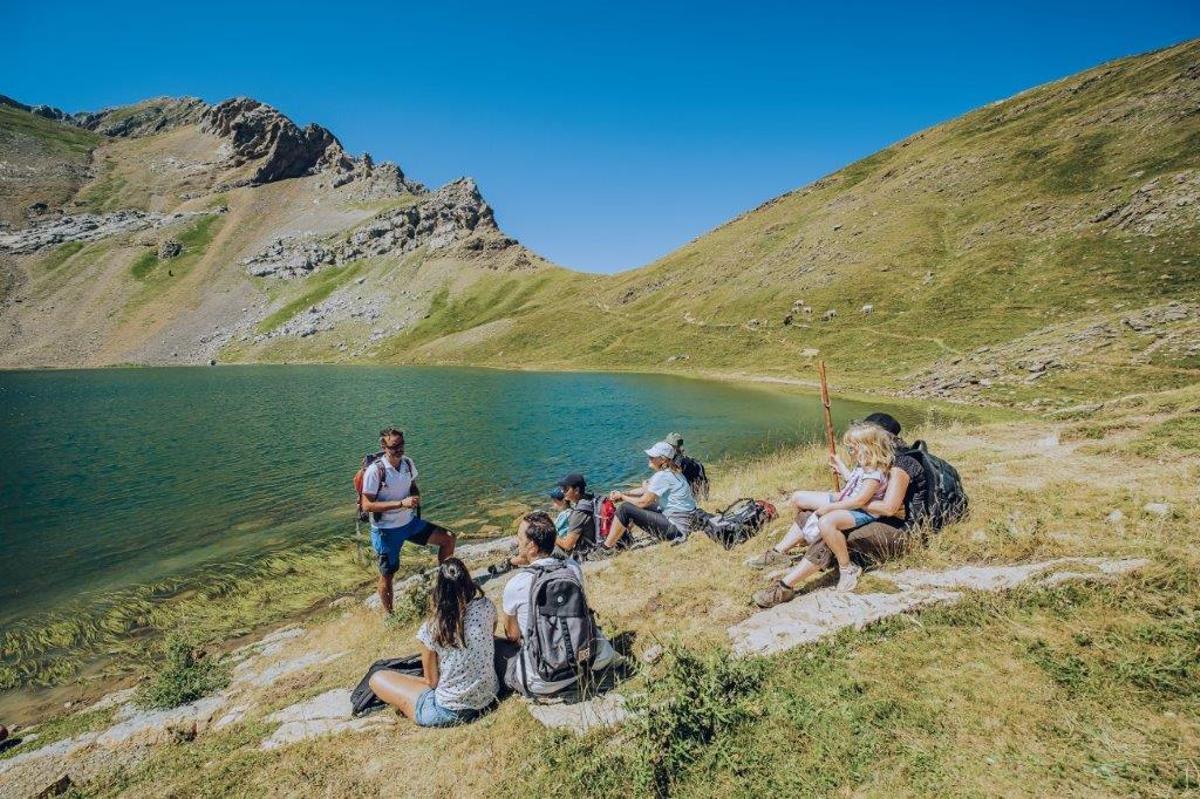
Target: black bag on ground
(739, 522)
(945, 498)
(363, 700)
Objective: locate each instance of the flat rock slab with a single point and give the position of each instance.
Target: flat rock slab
(580, 717)
(813, 616)
(247, 673)
(324, 714)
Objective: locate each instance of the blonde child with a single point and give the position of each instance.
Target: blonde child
(872, 451)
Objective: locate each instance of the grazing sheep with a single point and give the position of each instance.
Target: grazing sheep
(866, 309)
(832, 312)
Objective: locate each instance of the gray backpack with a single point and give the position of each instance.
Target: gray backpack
(562, 637)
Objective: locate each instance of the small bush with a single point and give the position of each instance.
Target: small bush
(185, 675)
(688, 710)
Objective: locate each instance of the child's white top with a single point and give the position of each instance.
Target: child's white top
(856, 479)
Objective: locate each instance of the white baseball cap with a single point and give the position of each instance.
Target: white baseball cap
(661, 450)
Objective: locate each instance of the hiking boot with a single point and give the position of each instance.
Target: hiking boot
(497, 569)
(772, 557)
(777, 594)
(849, 578)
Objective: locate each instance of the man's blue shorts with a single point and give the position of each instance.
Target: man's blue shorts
(387, 542)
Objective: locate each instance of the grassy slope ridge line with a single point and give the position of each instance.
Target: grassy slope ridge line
(977, 232)
(1075, 690)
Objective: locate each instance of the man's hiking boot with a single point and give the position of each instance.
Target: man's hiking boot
(497, 569)
(772, 557)
(777, 594)
(849, 578)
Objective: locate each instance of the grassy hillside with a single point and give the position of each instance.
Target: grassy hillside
(1026, 253)
(1038, 218)
(45, 161)
(1077, 690)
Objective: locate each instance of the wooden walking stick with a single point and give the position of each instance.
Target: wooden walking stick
(837, 483)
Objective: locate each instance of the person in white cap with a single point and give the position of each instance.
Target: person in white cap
(667, 489)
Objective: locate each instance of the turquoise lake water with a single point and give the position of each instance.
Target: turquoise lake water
(117, 477)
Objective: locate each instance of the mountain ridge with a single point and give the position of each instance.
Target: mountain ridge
(1033, 220)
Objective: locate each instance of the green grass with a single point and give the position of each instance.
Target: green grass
(312, 290)
(155, 275)
(144, 264)
(60, 255)
(867, 713)
(54, 137)
(106, 192)
(183, 674)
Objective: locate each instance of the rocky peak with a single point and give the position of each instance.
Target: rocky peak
(141, 119)
(258, 132)
(454, 217)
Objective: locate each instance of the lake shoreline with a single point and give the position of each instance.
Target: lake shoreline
(109, 670)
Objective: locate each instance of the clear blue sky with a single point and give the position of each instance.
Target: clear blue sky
(604, 134)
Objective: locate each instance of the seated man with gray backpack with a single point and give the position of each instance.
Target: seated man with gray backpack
(555, 643)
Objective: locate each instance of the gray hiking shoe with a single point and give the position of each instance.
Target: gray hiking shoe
(777, 594)
(849, 578)
(772, 557)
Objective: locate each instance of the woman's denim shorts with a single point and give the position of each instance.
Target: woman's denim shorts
(431, 714)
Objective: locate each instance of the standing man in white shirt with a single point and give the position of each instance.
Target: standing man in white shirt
(391, 496)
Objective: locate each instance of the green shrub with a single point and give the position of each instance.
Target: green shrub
(687, 712)
(184, 676)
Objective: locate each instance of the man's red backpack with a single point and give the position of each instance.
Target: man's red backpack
(373, 460)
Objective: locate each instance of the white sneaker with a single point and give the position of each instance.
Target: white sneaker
(849, 578)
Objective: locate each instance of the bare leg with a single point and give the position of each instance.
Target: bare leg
(401, 691)
(805, 569)
(808, 500)
(794, 536)
(832, 526)
(385, 592)
(615, 533)
(802, 501)
(444, 541)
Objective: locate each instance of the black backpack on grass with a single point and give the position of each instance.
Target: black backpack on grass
(945, 498)
(739, 522)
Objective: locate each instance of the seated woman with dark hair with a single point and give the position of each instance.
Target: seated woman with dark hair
(457, 647)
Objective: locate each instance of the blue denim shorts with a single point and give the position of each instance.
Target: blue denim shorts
(431, 714)
(387, 542)
(861, 517)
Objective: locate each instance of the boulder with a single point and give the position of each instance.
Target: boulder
(168, 249)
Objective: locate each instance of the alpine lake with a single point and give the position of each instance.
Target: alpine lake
(125, 492)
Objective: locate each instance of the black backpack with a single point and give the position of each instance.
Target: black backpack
(363, 700)
(562, 637)
(945, 498)
(697, 478)
(739, 522)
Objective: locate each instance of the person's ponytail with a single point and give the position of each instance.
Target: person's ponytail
(453, 590)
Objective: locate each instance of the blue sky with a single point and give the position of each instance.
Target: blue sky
(604, 134)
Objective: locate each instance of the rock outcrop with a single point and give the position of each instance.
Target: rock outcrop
(454, 214)
(84, 227)
(143, 119)
(258, 132)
